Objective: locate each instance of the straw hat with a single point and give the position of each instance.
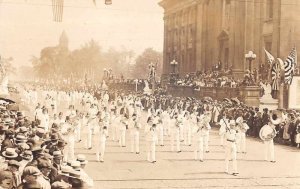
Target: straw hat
(10, 153)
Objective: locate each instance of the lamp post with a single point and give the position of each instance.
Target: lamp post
(250, 56)
(136, 84)
(174, 63)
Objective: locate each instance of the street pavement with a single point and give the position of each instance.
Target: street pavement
(124, 170)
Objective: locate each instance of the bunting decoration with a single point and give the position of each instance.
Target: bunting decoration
(275, 73)
(289, 66)
(57, 10)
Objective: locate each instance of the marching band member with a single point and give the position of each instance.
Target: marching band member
(160, 128)
(230, 148)
(68, 135)
(239, 124)
(151, 138)
(180, 122)
(87, 133)
(115, 121)
(44, 118)
(206, 117)
(135, 134)
(101, 146)
(175, 133)
(187, 129)
(269, 144)
(166, 121)
(224, 122)
(243, 130)
(123, 127)
(198, 140)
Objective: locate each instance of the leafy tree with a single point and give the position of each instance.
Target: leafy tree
(141, 67)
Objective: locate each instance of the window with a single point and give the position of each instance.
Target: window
(269, 9)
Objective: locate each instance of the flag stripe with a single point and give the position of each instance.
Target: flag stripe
(289, 66)
(57, 9)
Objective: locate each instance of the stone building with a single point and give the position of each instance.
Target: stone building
(199, 34)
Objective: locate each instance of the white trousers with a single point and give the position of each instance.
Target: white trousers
(150, 151)
(188, 136)
(88, 137)
(230, 153)
(181, 132)
(69, 149)
(78, 133)
(122, 139)
(135, 141)
(205, 140)
(269, 150)
(238, 142)
(161, 135)
(115, 133)
(175, 136)
(243, 142)
(198, 148)
(100, 150)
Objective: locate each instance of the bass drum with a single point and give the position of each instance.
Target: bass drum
(267, 133)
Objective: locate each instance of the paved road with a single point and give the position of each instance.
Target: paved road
(123, 169)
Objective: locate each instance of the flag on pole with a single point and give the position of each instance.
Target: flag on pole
(57, 10)
(269, 57)
(289, 66)
(275, 73)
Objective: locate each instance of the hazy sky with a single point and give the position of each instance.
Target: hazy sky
(26, 26)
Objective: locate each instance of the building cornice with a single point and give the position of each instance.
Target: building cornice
(172, 6)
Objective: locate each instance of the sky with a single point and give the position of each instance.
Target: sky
(26, 26)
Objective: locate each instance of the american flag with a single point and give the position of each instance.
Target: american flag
(57, 9)
(275, 72)
(289, 66)
(269, 57)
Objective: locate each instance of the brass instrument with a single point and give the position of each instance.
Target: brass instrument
(276, 117)
(267, 133)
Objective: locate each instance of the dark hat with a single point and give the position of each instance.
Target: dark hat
(61, 143)
(60, 185)
(32, 185)
(27, 154)
(44, 164)
(54, 137)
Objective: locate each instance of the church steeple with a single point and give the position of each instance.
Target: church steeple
(63, 40)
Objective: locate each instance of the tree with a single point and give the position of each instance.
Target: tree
(149, 55)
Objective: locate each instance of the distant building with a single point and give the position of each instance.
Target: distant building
(199, 34)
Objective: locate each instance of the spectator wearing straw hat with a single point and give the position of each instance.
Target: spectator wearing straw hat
(26, 158)
(85, 177)
(10, 153)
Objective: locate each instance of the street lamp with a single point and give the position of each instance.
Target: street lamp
(174, 63)
(250, 56)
